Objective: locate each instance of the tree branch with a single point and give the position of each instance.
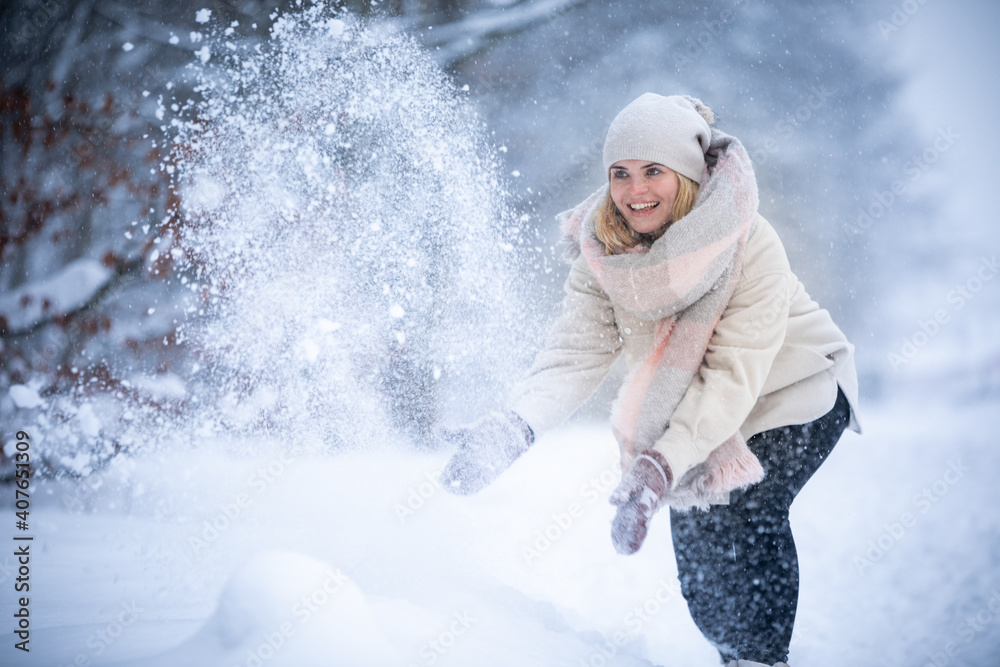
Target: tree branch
(456, 41)
(11, 330)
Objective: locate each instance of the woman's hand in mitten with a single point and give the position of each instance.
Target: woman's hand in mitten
(638, 497)
(486, 448)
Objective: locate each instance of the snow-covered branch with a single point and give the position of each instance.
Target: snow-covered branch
(72, 289)
(67, 53)
(128, 17)
(459, 40)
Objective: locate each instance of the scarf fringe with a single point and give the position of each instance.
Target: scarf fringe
(729, 467)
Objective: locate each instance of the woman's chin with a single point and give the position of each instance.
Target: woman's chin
(646, 226)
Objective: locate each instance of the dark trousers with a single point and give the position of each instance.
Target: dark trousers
(737, 564)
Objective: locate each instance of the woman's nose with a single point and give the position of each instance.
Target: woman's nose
(637, 186)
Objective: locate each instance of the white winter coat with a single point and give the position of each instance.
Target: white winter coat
(775, 359)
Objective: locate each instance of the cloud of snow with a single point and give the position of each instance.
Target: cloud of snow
(333, 175)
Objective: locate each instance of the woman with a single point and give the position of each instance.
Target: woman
(738, 388)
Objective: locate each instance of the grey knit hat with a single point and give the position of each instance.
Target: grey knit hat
(673, 131)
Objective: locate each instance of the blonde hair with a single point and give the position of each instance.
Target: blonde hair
(613, 231)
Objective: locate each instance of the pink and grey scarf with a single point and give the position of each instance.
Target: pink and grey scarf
(684, 282)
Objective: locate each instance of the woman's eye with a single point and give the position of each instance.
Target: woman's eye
(620, 174)
(653, 171)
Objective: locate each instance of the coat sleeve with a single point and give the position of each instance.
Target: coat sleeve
(729, 381)
(581, 348)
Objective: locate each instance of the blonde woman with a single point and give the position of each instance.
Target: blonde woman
(739, 384)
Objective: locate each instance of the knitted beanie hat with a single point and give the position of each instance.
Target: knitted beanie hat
(673, 131)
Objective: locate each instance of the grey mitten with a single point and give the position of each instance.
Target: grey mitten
(638, 497)
(486, 448)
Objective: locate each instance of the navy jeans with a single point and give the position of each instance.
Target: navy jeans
(737, 564)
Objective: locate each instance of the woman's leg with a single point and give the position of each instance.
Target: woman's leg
(737, 563)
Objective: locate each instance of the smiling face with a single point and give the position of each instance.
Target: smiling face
(644, 193)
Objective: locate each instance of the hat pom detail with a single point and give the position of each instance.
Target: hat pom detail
(703, 109)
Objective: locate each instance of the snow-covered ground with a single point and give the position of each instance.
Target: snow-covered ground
(208, 555)
(897, 542)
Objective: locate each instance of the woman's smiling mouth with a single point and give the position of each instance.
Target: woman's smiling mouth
(643, 207)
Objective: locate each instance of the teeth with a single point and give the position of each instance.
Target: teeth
(643, 207)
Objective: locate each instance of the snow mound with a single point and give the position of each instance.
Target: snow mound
(286, 609)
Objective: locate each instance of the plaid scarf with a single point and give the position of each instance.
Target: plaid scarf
(684, 282)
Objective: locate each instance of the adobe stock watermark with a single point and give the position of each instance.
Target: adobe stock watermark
(578, 164)
(228, 513)
(28, 27)
(967, 631)
(102, 639)
(900, 16)
(913, 169)
(305, 608)
(633, 622)
(699, 41)
(793, 120)
(924, 501)
(774, 310)
(418, 496)
(594, 489)
(956, 299)
(435, 647)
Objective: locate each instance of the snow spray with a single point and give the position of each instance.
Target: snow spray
(344, 224)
